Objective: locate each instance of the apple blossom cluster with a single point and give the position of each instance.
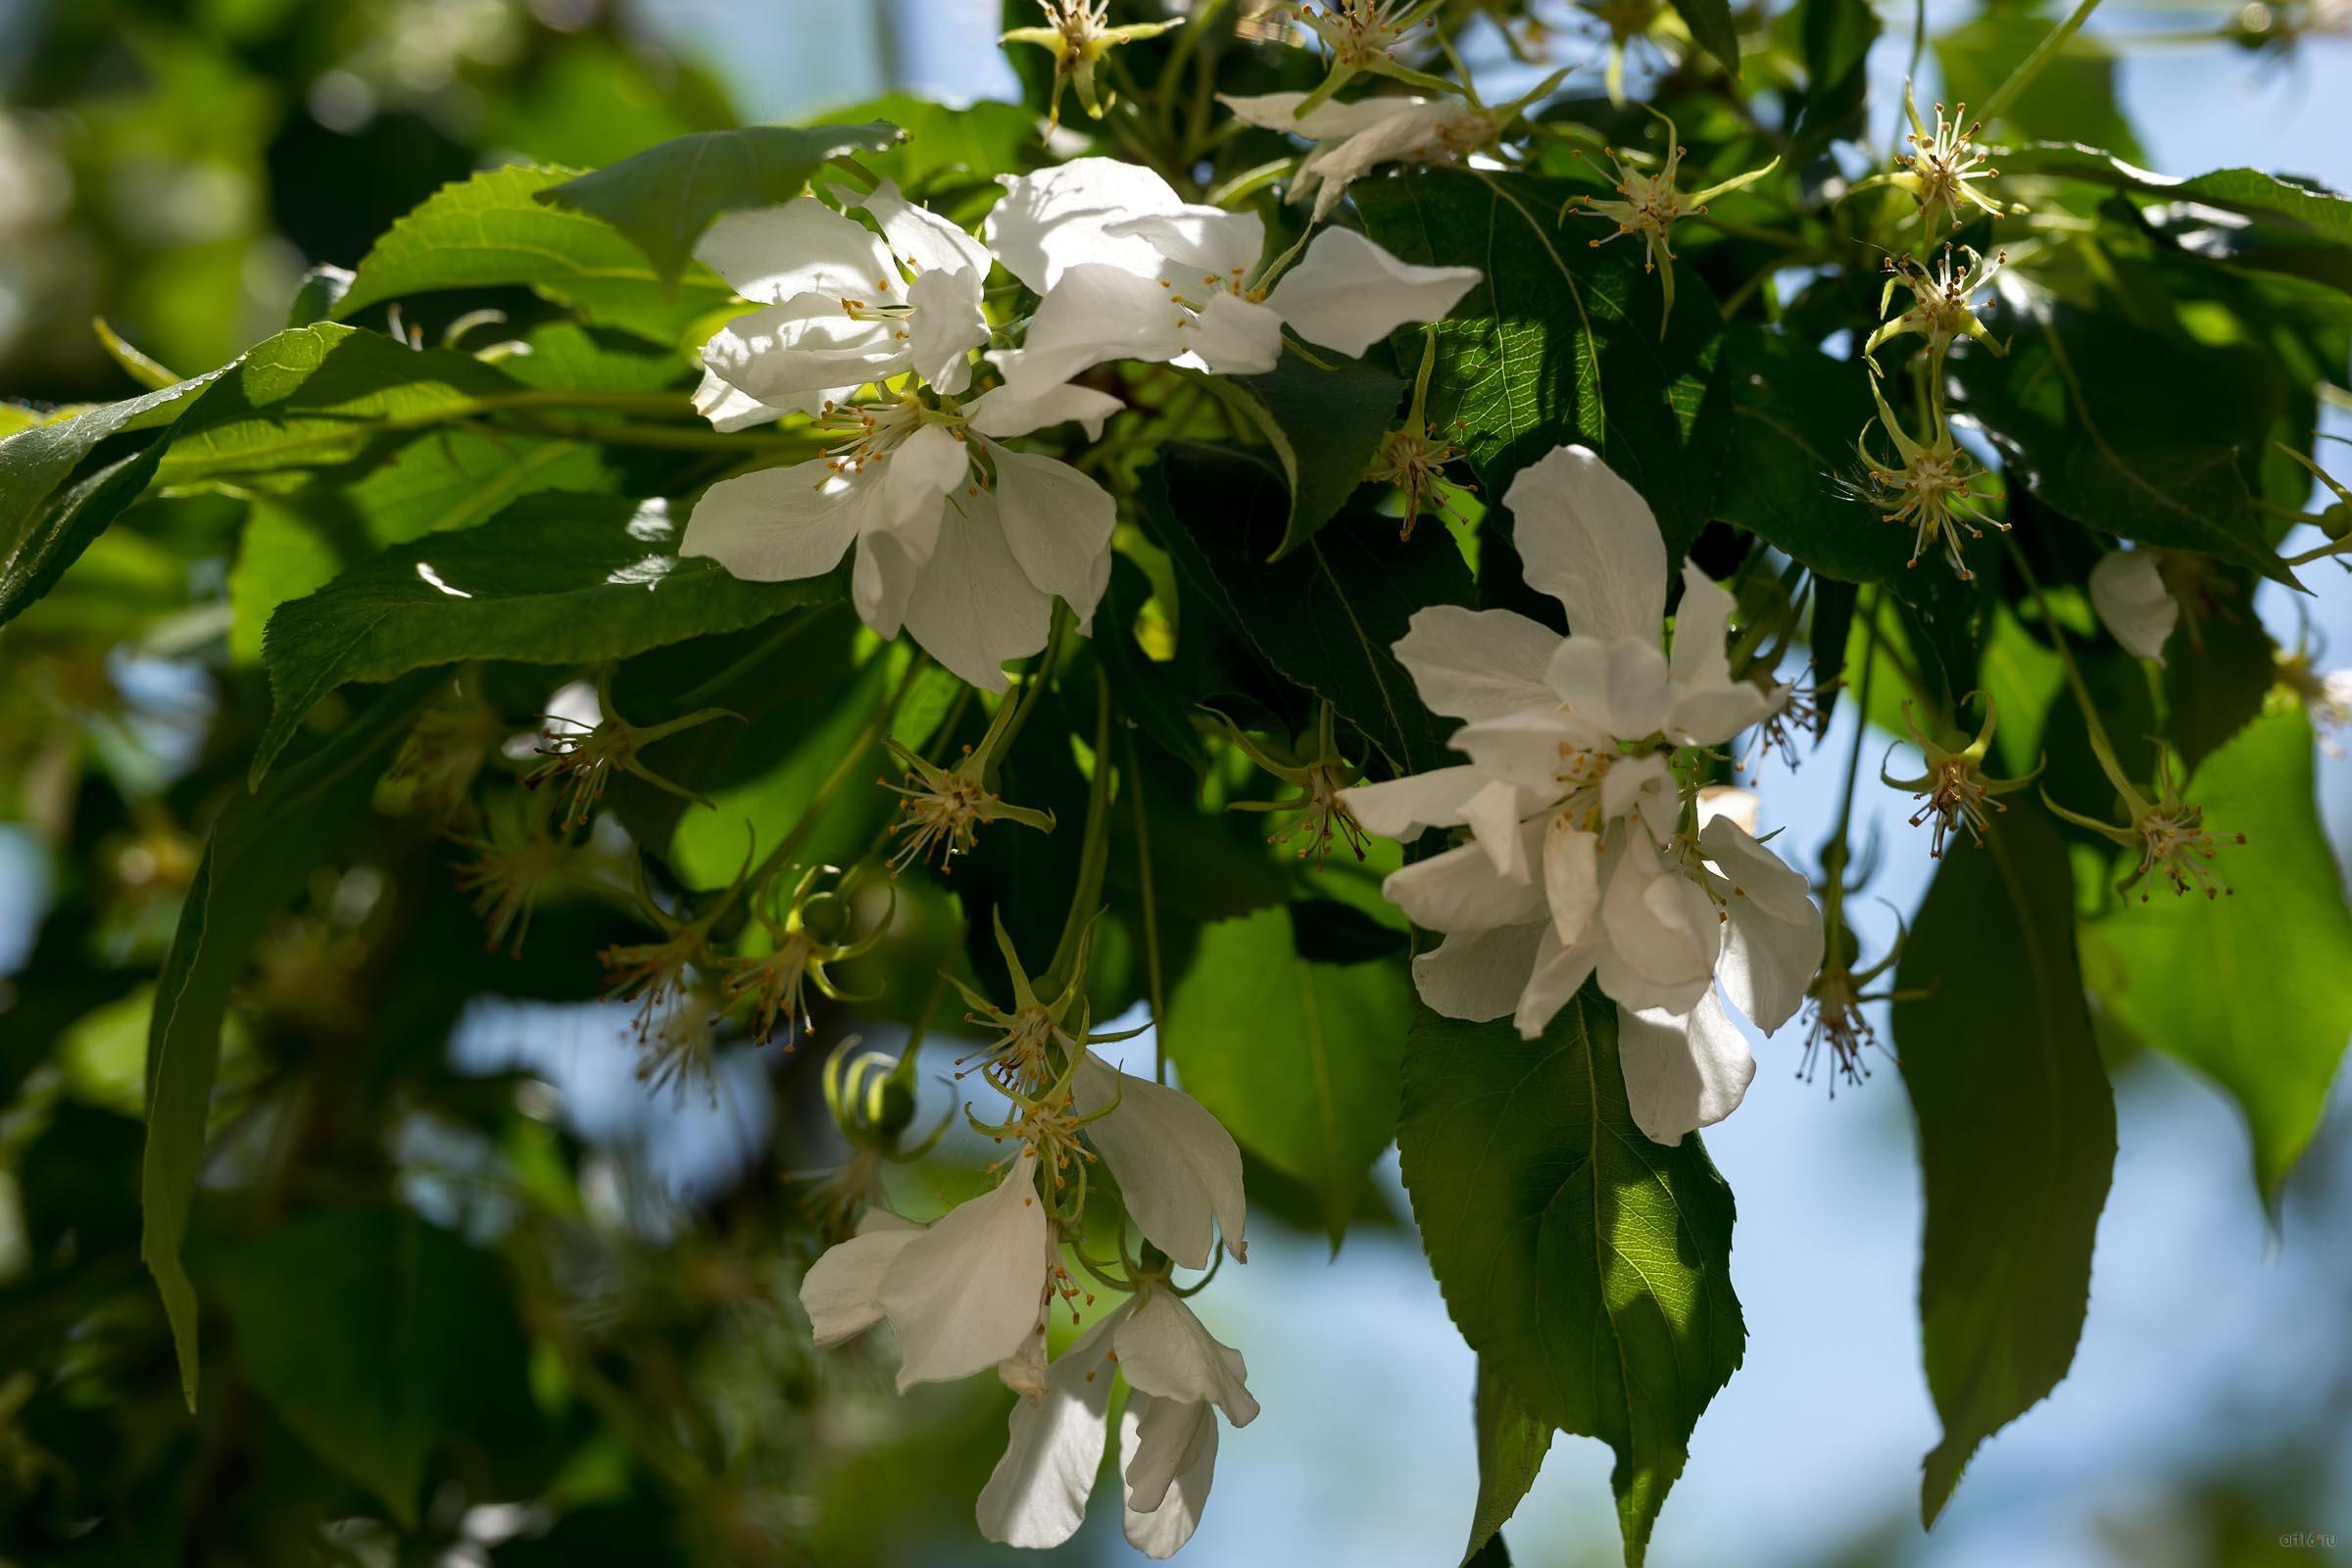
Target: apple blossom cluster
(961, 539)
(1591, 851)
(978, 1288)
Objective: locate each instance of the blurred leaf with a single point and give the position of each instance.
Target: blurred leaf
(1561, 342)
(1834, 39)
(1589, 1268)
(2213, 692)
(664, 197)
(2298, 203)
(1300, 1061)
(2129, 431)
(556, 579)
(2014, 1179)
(1511, 1445)
(981, 140)
(492, 231)
(1324, 427)
(2073, 98)
(2254, 990)
(1148, 694)
(379, 1339)
(1710, 23)
(262, 847)
(1325, 618)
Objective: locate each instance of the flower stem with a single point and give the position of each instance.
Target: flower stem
(2032, 65)
(2101, 747)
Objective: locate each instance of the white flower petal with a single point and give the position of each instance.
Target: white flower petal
(1570, 879)
(1176, 1165)
(948, 324)
(1681, 1072)
(1004, 412)
(973, 607)
(912, 487)
(1587, 538)
(921, 239)
(1709, 705)
(1169, 1354)
(1643, 786)
(1460, 890)
(1093, 315)
(1166, 1436)
(785, 355)
(1618, 686)
(1557, 976)
(1772, 946)
(1058, 521)
(2126, 589)
(1478, 663)
(729, 407)
(777, 525)
(770, 254)
(1036, 1496)
(1495, 815)
(1663, 930)
(841, 1292)
(1346, 293)
(1199, 247)
(964, 1294)
(882, 582)
(1479, 976)
(1529, 748)
(1400, 807)
(1057, 218)
(1234, 337)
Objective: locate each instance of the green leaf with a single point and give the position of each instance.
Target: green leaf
(1710, 23)
(1833, 38)
(977, 140)
(379, 1339)
(1325, 618)
(1324, 427)
(1561, 343)
(1589, 1268)
(556, 579)
(2254, 990)
(1795, 415)
(664, 197)
(2213, 692)
(2298, 203)
(2129, 431)
(1511, 1445)
(42, 532)
(261, 849)
(492, 231)
(1300, 1061)
(2016, 1133)
(2072, 99)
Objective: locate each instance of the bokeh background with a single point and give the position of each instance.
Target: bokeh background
(173, 166)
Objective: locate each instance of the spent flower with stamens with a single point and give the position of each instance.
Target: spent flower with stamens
(508, 866)
(1363, 36)
(1079, 33)
(1942, 305)
(941, 808)
(1941, 170)
(584, 756)
(1319, 774)
(871, 1097)
(1413, 459)
(1835, 1021)
(437, 764)
(1931, 487)
(2166, 832)
(806, 935)
(658, 974)
(1953, 786)
(1034, 1040)
(1651, 204)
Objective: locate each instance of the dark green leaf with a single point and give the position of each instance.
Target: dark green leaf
(1790, 476)
(379, 1339)
(1589, 1268)
(491, 230)
(1835, 37)
(1147, 693)
(1511, 1445)
(1710, 23)
(2298, 203)
(261, 849)
(1324, 427)
(1561, 342)
(1325, 618)
(2016, 1133)
(978, 140)
(2254, 990)
(1300, 1061)
(64, 528)
(2213, 692)
(2132, 432)
(664, 197)
(556, 579)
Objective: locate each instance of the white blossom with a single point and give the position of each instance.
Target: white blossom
(1587, 855)
(1352, 139)
(2126, 589)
